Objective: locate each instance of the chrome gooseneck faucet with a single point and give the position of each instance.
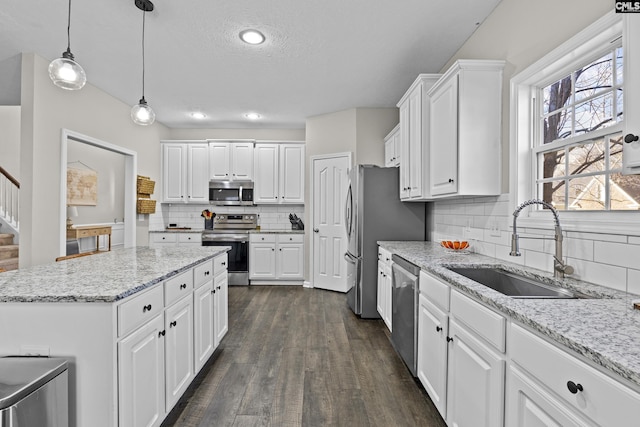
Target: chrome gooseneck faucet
(559, 267)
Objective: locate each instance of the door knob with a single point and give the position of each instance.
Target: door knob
(629, 138)
(316, 230)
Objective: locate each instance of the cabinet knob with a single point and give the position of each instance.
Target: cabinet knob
(629, 138)
(213, 291)
(161, 334)
(172, 324)
(218, 287)
(280, 249)
(146, 308)
(206, 273)
(438, 328)
(272, 249)
(574, 388)
(449, 339)
(450, 179)
(223, 263)
(183, 286)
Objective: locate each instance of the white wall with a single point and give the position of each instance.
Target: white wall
(46, 109)
(606, 259)
(10, 139)
(372, 125)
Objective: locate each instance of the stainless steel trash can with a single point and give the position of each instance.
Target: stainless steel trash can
(33, 392)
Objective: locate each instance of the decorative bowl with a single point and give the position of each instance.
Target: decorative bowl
(455, 245)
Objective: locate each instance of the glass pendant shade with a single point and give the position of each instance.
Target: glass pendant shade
(142, 114)
(67, 73)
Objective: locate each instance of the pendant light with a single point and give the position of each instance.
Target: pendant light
(65, 72)
(141, 113)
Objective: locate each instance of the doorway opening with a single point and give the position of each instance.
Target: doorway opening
(130, 170)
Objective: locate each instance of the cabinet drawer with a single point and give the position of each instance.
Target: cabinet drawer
(262, 238)
(602, 399)
(220, 264)
(139, 309)
(384, 255)
(164, 237)
(177, 287)
(203, 273)
(435, 290)
(291, 238)
(486, 323)
(190, 238)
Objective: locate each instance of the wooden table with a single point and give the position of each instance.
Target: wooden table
(90, 231)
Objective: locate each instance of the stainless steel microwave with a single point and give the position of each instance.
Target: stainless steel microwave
(231, 193)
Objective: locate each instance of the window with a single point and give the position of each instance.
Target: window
(578, 146)
(567, 126)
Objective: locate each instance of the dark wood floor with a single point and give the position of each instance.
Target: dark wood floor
(299, 357)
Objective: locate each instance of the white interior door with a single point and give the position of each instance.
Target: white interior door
(330, 181)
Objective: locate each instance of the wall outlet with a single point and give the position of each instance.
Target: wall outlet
(494, 229)
(34, 350)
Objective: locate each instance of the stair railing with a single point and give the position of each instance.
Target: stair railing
(9, 199)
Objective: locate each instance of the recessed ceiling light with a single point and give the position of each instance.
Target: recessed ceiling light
(252, 116)
(198, 115)
(252, 36)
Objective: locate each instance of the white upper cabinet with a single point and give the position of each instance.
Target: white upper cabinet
(231, 160)
(279, 173)
(392, 148)
(414, 139)
(185, 170)
(465, 130)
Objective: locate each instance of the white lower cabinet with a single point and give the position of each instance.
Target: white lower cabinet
(462, 364)
(178, 349)
(530, 405)
(141, 376)
(276, 257)
(433, 330)
(221, 307)
(203, 325)
(475, 381)
(159, 240)
(160, 358)
(460, 361)
(384, 286)
(567, 388)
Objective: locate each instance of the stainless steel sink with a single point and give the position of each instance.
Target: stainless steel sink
(514, 285)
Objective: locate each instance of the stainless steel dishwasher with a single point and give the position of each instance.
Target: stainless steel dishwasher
(404, 311)
(33, 392)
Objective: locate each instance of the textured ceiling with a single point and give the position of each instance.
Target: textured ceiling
(319, 57)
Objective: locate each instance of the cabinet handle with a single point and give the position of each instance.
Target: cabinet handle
(438, 328)
(183, 286)
(629, 138)
(172, 324)
(574, 388)
(449, 339)
(161, 334)
(146, 308)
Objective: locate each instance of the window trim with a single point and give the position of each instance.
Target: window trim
(567, 57)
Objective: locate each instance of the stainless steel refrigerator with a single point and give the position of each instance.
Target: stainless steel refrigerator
(373, 212)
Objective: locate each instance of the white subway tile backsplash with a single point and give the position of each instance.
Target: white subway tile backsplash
(602, 274)
(623, 255)
(606, 259)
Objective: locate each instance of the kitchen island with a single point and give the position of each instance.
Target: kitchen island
(136, 325)
(577, 359)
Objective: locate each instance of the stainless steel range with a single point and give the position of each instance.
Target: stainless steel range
(233, 230)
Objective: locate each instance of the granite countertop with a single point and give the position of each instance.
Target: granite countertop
(604, 329)
(276, 231)
(104, 277)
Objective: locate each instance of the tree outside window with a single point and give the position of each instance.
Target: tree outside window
(580, 152)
